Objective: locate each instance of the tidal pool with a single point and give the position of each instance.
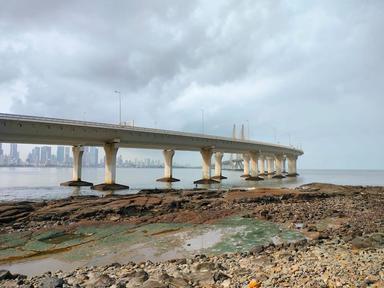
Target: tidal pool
(58, 249)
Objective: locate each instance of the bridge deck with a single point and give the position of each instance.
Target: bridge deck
(43, 130)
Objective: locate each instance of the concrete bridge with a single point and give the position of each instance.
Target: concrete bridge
(259, 158)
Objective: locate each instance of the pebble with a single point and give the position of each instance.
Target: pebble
(325, 264)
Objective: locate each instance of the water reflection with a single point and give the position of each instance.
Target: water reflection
(76, 191)
(107, 192)
(168, 185)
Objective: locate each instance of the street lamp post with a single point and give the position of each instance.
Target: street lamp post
(118, 92)
(275, 134)
(202, 121)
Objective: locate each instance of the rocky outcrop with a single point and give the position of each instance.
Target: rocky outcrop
(343, 225)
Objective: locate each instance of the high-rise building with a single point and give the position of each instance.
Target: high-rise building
(86, 156)
(60, 155)
(120, 161)
(35, 156)
(67, 157)
(1, 154)
(14, 155)
(93, 156)
(46, 155)
(14, 158)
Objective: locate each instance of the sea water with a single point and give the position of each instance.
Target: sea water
(29, 183)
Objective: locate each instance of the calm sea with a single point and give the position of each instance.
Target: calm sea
(43, 183)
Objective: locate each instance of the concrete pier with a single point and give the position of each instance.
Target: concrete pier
(278, 160)
(270, 165)
(284, 163)
(292, 162)
(78, 152)
(246, 158)
(168, 167)
(262, 164)
(110, 168)
(206, 154)
(218, 166)
(254, 176)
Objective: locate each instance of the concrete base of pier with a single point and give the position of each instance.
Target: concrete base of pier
(206, 181)
(254, 178)
(77, 183)
(279, 176)
(219, 177)
(168, 179)
(292, 175)
(109, 187)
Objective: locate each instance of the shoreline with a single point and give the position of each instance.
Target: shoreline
(341, 218)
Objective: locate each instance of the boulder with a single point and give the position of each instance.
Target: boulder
(104, 281)
(360, 243)
(51, 282)
(5, 275)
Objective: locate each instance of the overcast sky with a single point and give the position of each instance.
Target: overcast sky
(313, 70)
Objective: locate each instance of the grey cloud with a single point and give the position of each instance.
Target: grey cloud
(312, 70)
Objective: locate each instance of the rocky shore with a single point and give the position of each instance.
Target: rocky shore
(343, 225)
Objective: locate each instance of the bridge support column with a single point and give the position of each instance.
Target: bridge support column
(78, 152)
(246, 165)
(168, 157)
(110, 169)
(292, 169)
(218, 166)
(254, 167)
(283, 163)
(262, 165)
(270, 164)
(278, 160)
(206, 154)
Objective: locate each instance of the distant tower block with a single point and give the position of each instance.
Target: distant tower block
(242, 135)
(234, 131)
(233, 156)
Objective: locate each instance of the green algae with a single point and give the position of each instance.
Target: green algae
(244, 233)
(120, 242)
(15, 253)
(120, 238)
(13, 239)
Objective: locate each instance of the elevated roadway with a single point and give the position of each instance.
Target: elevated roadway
(44, 130)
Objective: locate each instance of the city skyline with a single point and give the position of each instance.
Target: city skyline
(47, 155)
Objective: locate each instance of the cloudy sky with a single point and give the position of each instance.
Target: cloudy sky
(309, 71)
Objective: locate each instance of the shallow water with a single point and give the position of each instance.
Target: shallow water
(43, 183)
(105, 244)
